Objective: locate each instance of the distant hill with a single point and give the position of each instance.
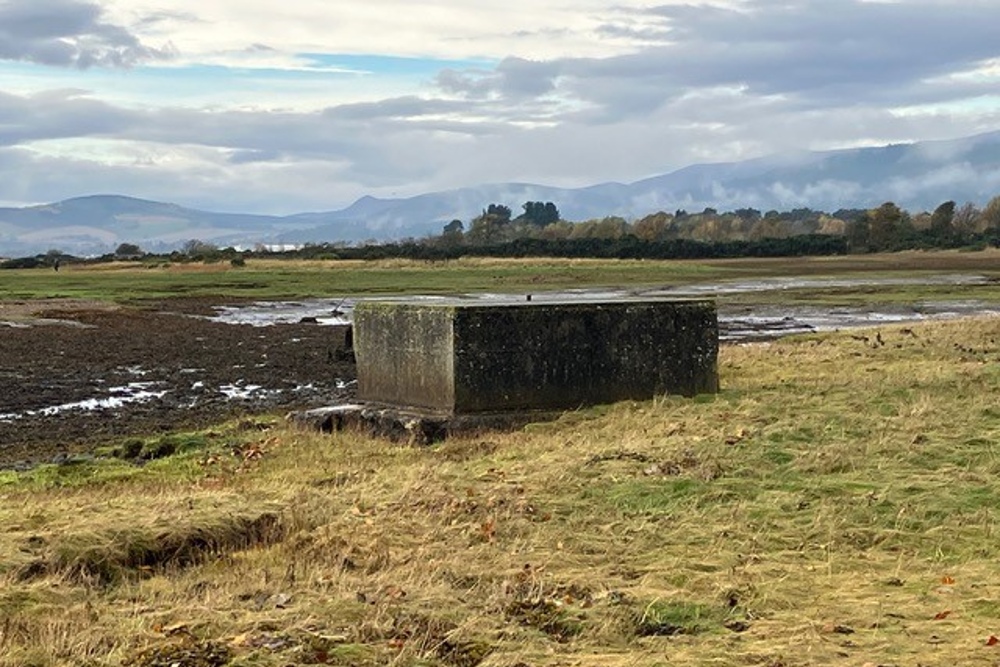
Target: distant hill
(916, 176)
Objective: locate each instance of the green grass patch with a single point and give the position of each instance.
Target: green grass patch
(647, 497)
(284, 279)
(226, 450)
(666, 618)
(271, 279)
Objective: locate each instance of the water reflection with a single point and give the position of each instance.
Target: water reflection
(744, 322)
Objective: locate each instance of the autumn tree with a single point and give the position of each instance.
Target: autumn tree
(557, 231)
(768, 228)
(831, 226)
(990, 217)
(611, 227)
(966, 219)
(655, 227)
(490, 226)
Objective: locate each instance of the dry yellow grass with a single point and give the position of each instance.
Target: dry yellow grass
(835, 504)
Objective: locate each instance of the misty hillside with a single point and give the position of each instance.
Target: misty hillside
(916, 176)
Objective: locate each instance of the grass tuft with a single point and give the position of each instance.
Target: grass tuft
(108, 557)
(665, 618)
(836, 503)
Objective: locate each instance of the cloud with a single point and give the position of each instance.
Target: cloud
(821, 51)
(408, 107)
(512, 79)
(69, 33)
(269, 109)
(57, 114)
(814, 54)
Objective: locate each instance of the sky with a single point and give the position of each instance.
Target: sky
(306, 105)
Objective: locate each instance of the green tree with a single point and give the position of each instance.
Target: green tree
(54, 257)
(499, 211)
(551, 213)
(747, 213)
(198, 248)
(941, 228)
(858, 234)
(889, 227)
(454, 228)
(128, 251)
(539, 213)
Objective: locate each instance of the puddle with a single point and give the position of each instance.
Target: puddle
(134, 392)
(144, 392)
(244, 392)
(780, 284)
(28, 323)
(757, 322)
(268, 313)
(735, 323)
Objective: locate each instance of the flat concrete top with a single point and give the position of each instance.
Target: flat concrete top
(509, 301)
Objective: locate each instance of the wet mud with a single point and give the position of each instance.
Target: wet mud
(77, 374)
(74, 377)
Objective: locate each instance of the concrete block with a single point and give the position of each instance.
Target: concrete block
(465, 356)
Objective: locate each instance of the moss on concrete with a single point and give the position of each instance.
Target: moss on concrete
(475, 357)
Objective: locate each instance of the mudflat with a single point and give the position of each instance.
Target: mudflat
(77, 373)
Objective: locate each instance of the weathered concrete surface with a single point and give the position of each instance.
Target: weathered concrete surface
(407, 351)
(414, 427)
(469, 357)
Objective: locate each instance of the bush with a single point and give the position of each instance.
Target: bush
(22, 263)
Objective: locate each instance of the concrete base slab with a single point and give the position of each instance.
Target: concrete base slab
(411, 426)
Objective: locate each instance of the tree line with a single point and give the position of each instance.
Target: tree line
(885, 228)
(744, 232)
(539, 230)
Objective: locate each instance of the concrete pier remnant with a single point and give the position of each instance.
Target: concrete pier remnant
(468, 357)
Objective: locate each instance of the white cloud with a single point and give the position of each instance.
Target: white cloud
(433, 28)
(70, 33)
(312, 103)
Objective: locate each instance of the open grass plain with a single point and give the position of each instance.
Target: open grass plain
(836, 504)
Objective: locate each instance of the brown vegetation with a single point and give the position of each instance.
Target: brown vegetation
(836, 503)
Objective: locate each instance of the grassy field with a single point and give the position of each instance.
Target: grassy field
(275, 279)
(835, 504)
(279, 279)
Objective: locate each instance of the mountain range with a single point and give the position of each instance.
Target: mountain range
(916, 176)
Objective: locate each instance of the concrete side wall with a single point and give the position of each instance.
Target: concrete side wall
(557, 356)
(475, 358)
(404, 355)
